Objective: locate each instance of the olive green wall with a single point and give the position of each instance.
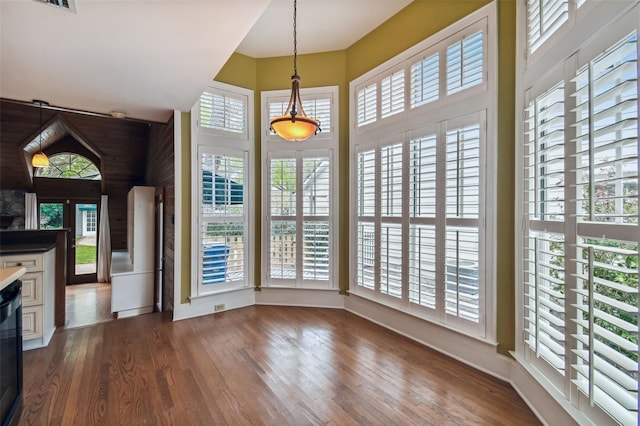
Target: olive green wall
(416, 22)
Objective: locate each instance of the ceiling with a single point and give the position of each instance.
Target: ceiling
(146, 58)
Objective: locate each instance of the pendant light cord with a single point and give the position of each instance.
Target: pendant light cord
(40, 127)
(295, 42)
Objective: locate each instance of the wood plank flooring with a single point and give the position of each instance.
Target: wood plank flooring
(87, 304)
(260, 365)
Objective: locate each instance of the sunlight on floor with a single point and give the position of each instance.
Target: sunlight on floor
(87, 304)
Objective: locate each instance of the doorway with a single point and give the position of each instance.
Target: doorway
(81, 218)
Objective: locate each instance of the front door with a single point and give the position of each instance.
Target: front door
(81, 218)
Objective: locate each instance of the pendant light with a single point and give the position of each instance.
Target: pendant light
(40, 159)
(294, 125)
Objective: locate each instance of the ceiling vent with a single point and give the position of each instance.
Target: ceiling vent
(69, 5)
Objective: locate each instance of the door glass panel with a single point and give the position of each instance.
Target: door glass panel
(86, 225)
(51, 215)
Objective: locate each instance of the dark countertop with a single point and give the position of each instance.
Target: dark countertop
(31, 247)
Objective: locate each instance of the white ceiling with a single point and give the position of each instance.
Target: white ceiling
(148, 57)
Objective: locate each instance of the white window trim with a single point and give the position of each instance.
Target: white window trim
(274, 146)
(461, 103)
(226, 143)
(552, 61)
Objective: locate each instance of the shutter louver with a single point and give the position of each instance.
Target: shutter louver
(391, 259)
(315, 228)
(221, 112)
(366, 206)
(425, 81)
(544, 17)
(367, 109)
(422, 207)
(282, 262)
(422, 265)
(544, 292)
(465, 63)
(545, 157)
(392, 94)
(222, 212)
(462, 240)
(366, 255)
(315, 251)
(391, 172)
(367, 183)
(283, 187)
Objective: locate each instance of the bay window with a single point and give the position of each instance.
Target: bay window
(578, 294)
(421, 179)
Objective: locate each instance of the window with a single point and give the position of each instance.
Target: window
(428, 74)
(421, 196)
(69, 166)
(221, 158)
(580, 237)
(299, 193)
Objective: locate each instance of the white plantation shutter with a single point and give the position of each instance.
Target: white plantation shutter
(422, 216)
(581, 235)
(220, 111)
(544, 252)
(462, 230)
(606, 367)
(300, 206)
(391, 176)
(606, 145)
(425, 81)
(545, 298)
(223, 219)
(392, 94)
(316, 191)
(367, 104)
(543, 18)
(391, 259)
(283, 203)
(417, 241)
(465, 63)
(366, 210)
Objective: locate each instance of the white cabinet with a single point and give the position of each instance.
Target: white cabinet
(132, 270)
(38, 295)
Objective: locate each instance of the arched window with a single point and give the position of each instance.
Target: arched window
(69, 166)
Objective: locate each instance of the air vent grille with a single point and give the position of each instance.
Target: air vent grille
(69, 5)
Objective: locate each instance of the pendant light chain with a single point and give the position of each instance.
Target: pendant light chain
(295, 42)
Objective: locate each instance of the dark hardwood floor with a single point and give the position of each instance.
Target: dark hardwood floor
(261, 365)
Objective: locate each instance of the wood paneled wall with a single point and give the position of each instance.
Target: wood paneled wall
(123, 144)
(161, 173)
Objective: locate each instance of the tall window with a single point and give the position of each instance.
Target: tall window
(299, 193)
(581, 234)
(420, 179)
(222, 159)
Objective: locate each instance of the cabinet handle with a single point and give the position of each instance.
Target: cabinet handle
(19, 263)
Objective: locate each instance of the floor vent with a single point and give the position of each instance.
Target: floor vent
(69, 5)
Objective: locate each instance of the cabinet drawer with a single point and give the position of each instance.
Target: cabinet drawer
(32, 291)
(31, 262)
(31, 322)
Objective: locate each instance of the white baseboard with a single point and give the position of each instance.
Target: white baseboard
(205, 305)
(300, 297)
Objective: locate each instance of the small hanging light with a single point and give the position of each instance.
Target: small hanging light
(39, 159)
(294, 125)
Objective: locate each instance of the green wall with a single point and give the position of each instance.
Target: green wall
(416, 22)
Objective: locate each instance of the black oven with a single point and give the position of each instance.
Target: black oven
(10, 352)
